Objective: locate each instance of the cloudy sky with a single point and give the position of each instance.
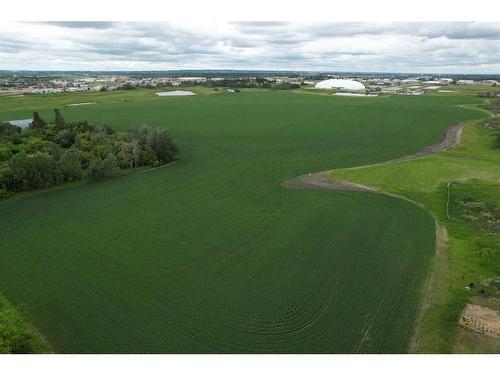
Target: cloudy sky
(458, 47)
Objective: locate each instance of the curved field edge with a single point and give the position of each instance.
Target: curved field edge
(324, 181)
(277, 197)
(17, 336)
(424, 181)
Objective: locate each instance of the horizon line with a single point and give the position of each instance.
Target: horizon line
(242, 70)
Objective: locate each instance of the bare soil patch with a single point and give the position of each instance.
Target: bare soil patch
(481, 319)
(450, 137)
(321, 181)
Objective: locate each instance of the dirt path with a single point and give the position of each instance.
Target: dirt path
(321, 181)
(451, 137)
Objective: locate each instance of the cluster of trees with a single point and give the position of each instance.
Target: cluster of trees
(46, 155)
(247, 83)
(243, 82)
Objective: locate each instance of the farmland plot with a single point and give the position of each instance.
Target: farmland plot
(211, 254)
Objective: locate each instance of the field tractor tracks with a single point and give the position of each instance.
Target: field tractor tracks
(323, 180)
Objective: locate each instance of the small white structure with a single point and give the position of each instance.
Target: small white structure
(341, 84)
(175, 93)
(465, 82)
(446, 80)
(355, 94)
(391, 90)
(77, 104)
(491, 82)
(409, 81)
(192, 79)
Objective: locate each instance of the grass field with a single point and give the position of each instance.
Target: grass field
(211, 254)
(466, 180)
(16, 335)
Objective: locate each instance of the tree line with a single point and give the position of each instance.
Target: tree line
(49, 154)
(258, 82)
(223, 83)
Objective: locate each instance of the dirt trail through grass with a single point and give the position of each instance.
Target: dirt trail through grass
(322, 181)
(474, 162)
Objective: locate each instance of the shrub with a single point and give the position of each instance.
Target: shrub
(99, 168)
(31, 172)
(5, 151)
(58, 120)
(3, 193)
(70, 165)
(94, 170)
(109, 166)
(9, 129)
(16, 336)
(163, 145)
(65, 138)
(38, 122)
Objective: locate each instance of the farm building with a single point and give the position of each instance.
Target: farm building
(465, 82)
(391, 90)
(340, 84)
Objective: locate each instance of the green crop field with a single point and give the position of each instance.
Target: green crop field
(461, 188)
(210, 254)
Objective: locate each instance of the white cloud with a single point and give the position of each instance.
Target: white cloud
(460, 47)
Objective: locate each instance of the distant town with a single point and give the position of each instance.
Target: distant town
(24, 82)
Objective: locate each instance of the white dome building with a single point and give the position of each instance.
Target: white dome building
(341, 84)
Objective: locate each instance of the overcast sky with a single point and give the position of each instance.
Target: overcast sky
(384, 47)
